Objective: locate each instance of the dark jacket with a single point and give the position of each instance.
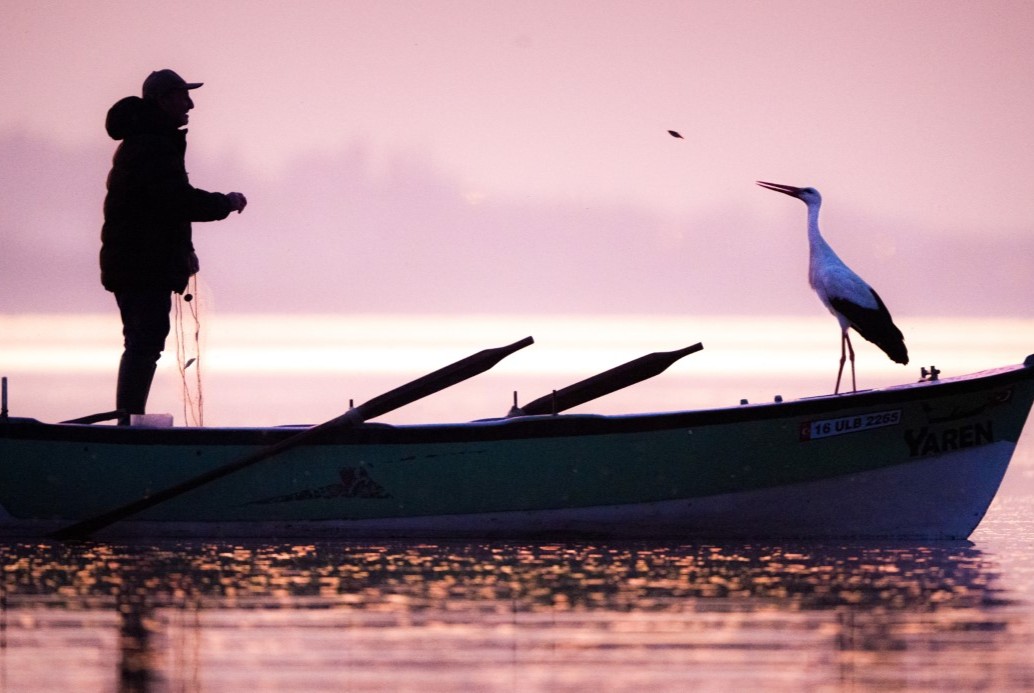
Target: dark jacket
(146, 239)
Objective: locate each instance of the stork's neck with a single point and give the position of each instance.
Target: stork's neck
(820, 254)
(813, 225)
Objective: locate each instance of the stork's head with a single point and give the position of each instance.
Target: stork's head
(810, 196)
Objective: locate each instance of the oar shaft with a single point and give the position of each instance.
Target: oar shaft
(88, 526)
(606, 382)
(433, 382)
(393, 399)
(96, 418)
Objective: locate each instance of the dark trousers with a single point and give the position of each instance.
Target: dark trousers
(145, 325)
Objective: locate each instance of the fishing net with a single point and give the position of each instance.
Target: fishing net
(189, 307)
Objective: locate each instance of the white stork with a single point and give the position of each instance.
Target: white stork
(846, 295)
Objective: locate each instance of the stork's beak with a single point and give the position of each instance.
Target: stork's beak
(785, 189)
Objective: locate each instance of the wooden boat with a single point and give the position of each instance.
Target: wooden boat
(920, 461)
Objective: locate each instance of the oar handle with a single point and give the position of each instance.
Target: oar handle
(606, 382)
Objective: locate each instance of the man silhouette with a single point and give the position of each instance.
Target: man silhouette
(146, 247)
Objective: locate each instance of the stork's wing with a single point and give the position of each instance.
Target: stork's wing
(875, 325)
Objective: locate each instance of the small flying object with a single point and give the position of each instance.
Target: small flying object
(846, 295)
(675, 134)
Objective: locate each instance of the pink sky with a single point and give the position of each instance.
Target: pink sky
(472, 153)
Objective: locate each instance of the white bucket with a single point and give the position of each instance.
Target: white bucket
(151, 420)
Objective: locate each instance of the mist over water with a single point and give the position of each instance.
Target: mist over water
(276, 369)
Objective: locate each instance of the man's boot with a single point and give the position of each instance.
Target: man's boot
(134, 384)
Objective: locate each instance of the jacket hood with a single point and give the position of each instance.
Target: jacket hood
(134, 116)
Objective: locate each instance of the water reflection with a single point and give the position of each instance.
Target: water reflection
(407, 616)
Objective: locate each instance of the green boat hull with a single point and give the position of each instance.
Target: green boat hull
(918, 461)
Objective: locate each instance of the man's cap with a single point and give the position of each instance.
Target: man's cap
(161, 82)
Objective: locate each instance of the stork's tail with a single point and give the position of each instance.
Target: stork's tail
(886, 335)
(894, 348)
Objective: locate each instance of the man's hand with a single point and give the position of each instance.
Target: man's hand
(237, 201)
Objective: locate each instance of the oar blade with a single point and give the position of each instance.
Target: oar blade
(616, 378)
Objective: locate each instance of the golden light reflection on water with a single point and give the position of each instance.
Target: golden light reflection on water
(403, 616)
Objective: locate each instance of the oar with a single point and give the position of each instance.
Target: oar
(604, 383)
(393, 399)
(96, 418)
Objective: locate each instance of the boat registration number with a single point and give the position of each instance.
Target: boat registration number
(825, 428)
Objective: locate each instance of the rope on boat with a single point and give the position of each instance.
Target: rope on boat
(188, 354)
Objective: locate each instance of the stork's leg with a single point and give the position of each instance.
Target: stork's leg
(843, 358)
(850, 350)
